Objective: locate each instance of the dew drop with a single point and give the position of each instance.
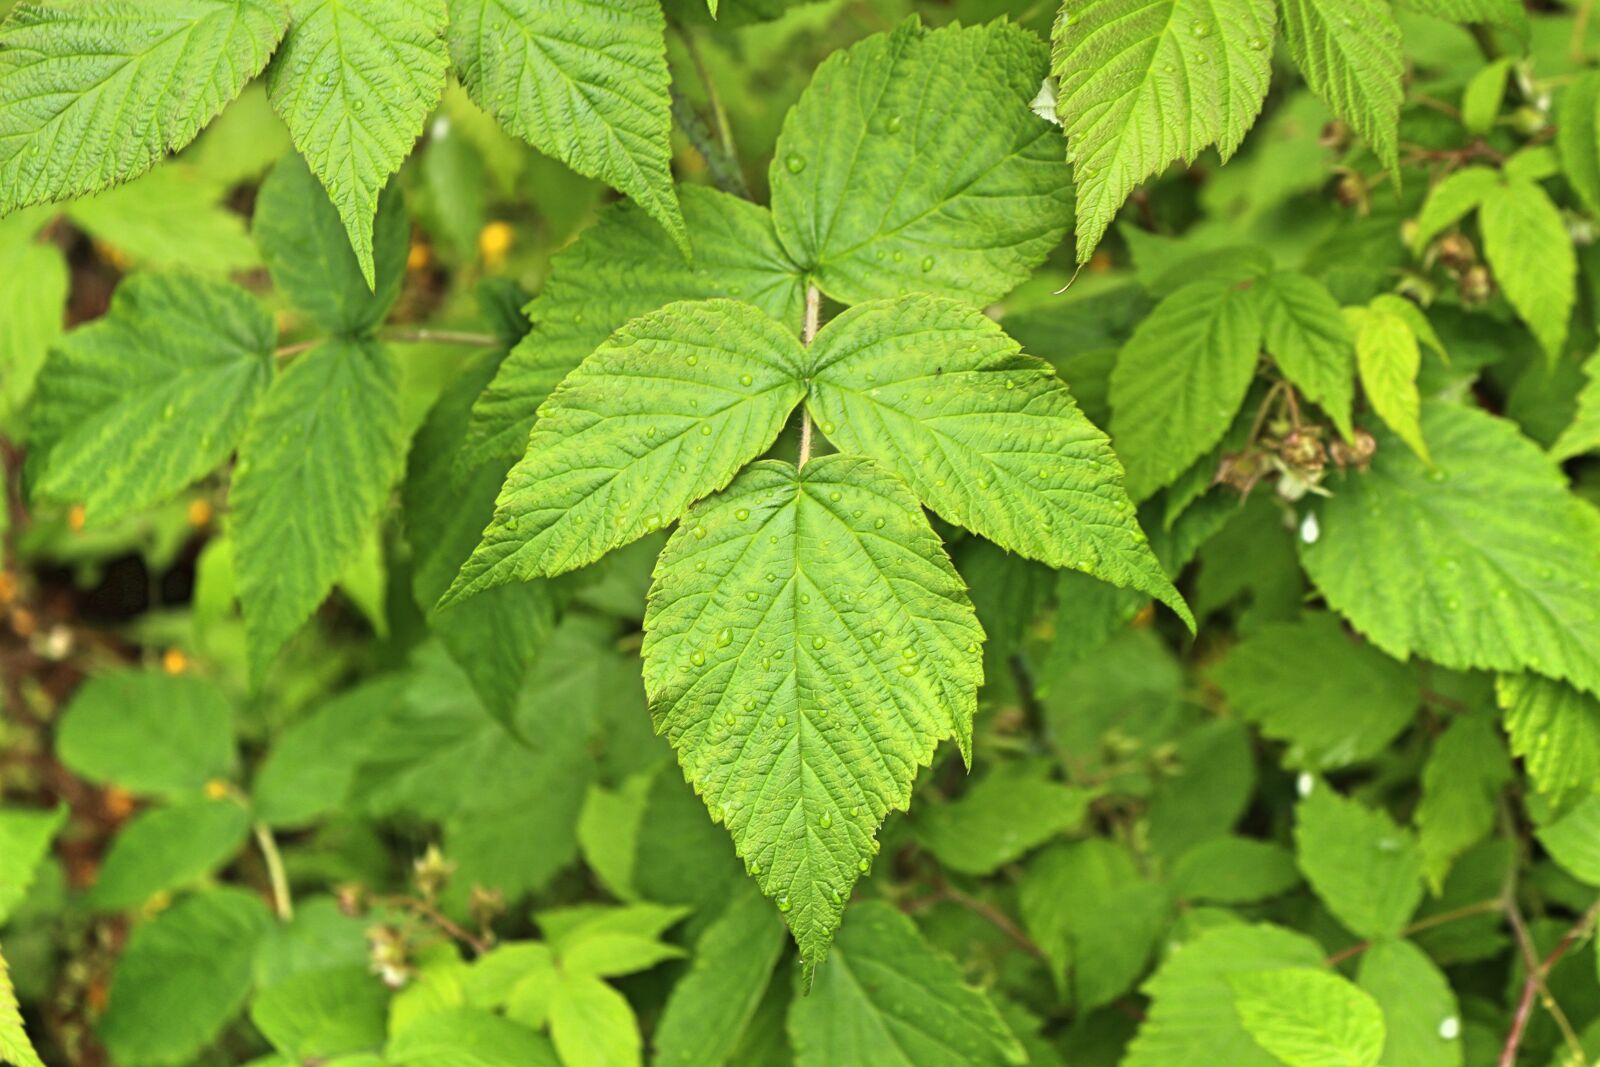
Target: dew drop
(745, 379)
(742, 514)
(697, 657)
(927, 264)
(863, 866)
(699, 533)
(795, 163)
(692, 360)
(783, 903)
(826, 821)
(819, 642)
(724, 637)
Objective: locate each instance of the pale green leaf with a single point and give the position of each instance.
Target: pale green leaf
(354, 81)
(1000, 818)
(1554, 730)
(712, 1004)
(888, 999)
(152, 397)
(807, 646)
(1578, 138)
(1192, 1021)
(1461, 782)
(172, 218)
(316, 1015)
(25, 837)
(912, 162)
(1310, 1017)
(1349, 52)
(1453, 199)
(1480, 101)
(182, 977)
(149, 732)
(1530, 252)
(663, 413)
(987, 437)
(1582, 435)
(1180, 379)
(168, 848)
(130, 82)
(1367, 870)
(1573, 840)
(1508, 13)
(1389, 358)
(32, 309)
(308, 251)
(585, 81)
(1421, 1016)
(15, 1048)
(1348, 710)
(314, 472)
(616, 271)
(1234, 870)
(1490, 528)
(1144, 83)
(468, 1037)
(593, 1025)
(1305, 333)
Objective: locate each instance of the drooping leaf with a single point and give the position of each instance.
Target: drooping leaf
(912, 162)
(1389, 358)
(1303, 330)
(1582, 435)
(663, 413)
(166, 848)
(315, 469)
(1480, 100)
(1508, 13)
(1180, 379)
(1555, 731)
(987, 437)
(32, 309)
(1492, 527)
(1349, 52)
(889, 999)
(1530, 252)
(138, 405)
(1578, 137)
(68, 72)
(308, 251)
(354, 81)
(585, 81)
(808, 669)
(182, 977)
(1461, 781)
(1144, 83)
(616, 271)
(25, 837)
(1310, 1017)
(1573, 840)
(1367, 870)
(148, 732)
(1421, 1017)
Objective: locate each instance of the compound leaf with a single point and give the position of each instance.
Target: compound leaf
(660, 415)
(1491, 526)
(130, 81)
(585, 81)
(1146, 82)
(153, 396)
(314, 471)
(1349, 52)
(987, 437)
(807, 646)
(354, 81)
(912, 162)
(1310, 1017)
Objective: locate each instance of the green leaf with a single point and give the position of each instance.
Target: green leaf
(1192, 1021)
(154, 396)
(309, 254)
(1508, 13)
(15, 1048)
(1366, 869)
(991, 440)
(1310, 1018)
(1491, 526)
(808, 669)
(582, 81)
(32, 308)
(309, 767)
(467, 1037)
(1096, 917)
(624, 446)
(1527, 246)
(1349, 52)
(354, 81)
(1006, 814)
(314, 472)
(1582, 435)
(712, 1004)
(1234, 870)
(320, 1014)
(876, 191)
(1461, 782)
(1144, 83)
(1180, 379)
(1389, 358)
(149, 732)
(1480, 101)
(616, 271)
(69, 70)
(168, 848)
(1421, 1017)
(1554, 730)
(1347, 711)
(1452, 200)
(604, 942)
(887, 998)
(1578, 138)
(172, 218)
(1303, 330)
(25, 838)
(182, 977)
(593, 1025)
(1573, 840)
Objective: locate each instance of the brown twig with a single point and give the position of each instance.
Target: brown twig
(1534, 983)
(945, 893)
(1482, 907)
(433, 915)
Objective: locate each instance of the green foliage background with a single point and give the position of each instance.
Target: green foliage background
(507, 499)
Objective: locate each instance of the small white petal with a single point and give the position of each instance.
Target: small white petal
(1310, 529)
(1304, 784)
(1044, 103)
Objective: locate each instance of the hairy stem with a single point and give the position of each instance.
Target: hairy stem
(808, 333)
(281, 900)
